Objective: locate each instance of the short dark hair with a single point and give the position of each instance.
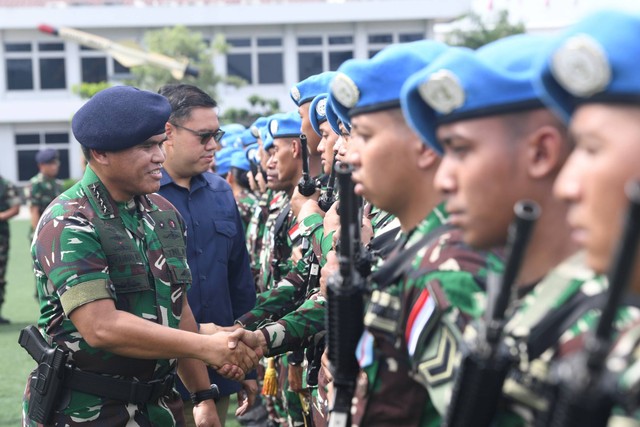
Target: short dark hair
(240, 176)
(184, 98)
(87, 152)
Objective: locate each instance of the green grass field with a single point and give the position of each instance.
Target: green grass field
(21, 308)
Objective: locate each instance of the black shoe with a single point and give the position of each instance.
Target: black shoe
(4, 321)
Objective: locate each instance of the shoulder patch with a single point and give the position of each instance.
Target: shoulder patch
(438, 366)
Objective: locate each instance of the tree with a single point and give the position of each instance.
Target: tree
(472, 32)
(178, 42)
(261, 107)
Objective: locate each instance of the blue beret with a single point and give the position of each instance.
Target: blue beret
(231, 139)
(255, 126)
(312, 86)
(251, 153)
(247, 138)
(368, 85)
(46, 155)
(596, 60)
(462, 84)
(285, 125)
(233, 128)
(265, 136)
(120, 117)
(318, 112)
(239, 160)
(223, 159)
(333, 118)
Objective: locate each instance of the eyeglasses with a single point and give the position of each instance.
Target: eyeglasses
(205, 137)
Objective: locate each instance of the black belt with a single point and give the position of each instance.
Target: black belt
(131, 391)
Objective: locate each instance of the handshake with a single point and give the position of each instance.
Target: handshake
(232, 351)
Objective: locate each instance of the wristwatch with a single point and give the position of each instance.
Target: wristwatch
(210, 393)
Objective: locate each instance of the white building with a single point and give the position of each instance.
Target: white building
(274, 44)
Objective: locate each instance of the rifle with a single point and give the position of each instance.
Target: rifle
(328, 198)
(586, 392)
(306, 186)
(345, 306)
(483, 369)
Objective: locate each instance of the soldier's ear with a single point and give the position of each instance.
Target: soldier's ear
(296, 148)
(546, 152)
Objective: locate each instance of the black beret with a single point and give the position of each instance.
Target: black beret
(120, 117)
(46, 155)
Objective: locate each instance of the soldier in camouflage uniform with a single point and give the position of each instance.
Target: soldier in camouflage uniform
(43, 187)
(112, 278)
(482, 139)
(381, 140)
(237, 179)
(602, 109)
(9, 207)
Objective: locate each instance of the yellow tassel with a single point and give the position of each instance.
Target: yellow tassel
(270, 385)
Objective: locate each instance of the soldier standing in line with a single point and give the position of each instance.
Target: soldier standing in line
(9, 207)
(368, 93)
(44, 186)
(112, 275)
(502, 145)
(601, 105)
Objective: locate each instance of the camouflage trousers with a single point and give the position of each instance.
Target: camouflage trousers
(4, 257)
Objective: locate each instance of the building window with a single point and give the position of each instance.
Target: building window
(119, 69)
(381, 39)
(256, 60)
(52, 73)
(410, 37)
(270, 68)
(35, 66)
(309, 63)
(317, 54)
(239, 65)
(19, 74)
(337, 58)
(94, 70)
(28, 144)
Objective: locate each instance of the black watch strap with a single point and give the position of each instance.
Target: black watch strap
(211, 393)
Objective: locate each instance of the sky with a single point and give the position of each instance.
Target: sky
(543, 15)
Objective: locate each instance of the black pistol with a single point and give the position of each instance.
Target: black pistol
(478, 387)
(47, 380)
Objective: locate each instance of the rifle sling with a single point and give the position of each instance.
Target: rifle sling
(400, 264)
(550, 329)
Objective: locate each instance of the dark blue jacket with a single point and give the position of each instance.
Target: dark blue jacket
(222, 288)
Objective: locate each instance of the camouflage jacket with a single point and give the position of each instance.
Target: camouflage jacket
(89, 247)
(246, 202)
(540, 336)
(625, 360)
(9, 197)
(255, 232)
(441, 290)
(42, 190)
(274, 252)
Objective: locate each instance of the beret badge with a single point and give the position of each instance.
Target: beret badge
(321, 107)
(255, 131)
(273, 127)
(345, 90)
(581, 67)
(295, 93)
(442, 91)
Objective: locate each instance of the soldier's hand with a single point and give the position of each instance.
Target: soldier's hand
(247, 396)
(308, 208)
(253, 340)
(297, 200)
(328, 269)
(294, 375)
(231, 358)
(326, 366)
(205, 414)
(331, 220)
(366, 233)
(296, 254)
